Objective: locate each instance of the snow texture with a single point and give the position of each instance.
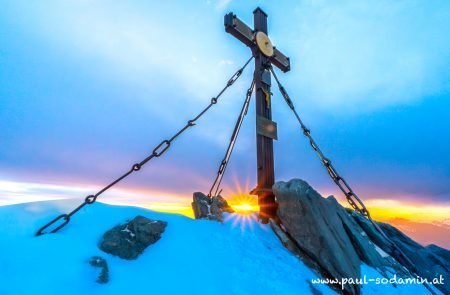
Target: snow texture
(239, 256)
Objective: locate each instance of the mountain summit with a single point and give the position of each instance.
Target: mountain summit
(238, 256)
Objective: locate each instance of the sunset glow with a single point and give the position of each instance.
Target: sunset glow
(387, 209)
(244, 203)
(244, 207)
(381, 209)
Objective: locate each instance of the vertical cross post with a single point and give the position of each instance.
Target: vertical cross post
(266, 130)
(264, 144)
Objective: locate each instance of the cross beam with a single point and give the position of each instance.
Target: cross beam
(266, 130)
(242, 32)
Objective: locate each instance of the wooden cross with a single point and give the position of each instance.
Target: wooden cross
(266, 130)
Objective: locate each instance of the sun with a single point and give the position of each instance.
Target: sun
(243, 203)
(243, 207)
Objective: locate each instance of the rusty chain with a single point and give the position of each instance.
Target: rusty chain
(157, 152)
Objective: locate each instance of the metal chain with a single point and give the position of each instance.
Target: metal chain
(159, 150)
(223, 165)
(351, 196)
(340, 182)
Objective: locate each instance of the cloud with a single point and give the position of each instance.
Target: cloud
(164, 60)
(364, 55)
(222, 4)
(136, 43)
(346, 56)
(167, 60)
(224, 62)
(13, 192)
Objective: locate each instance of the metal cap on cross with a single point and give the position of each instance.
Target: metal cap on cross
(265, 55)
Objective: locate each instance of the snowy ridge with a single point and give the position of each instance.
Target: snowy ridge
(239, 256)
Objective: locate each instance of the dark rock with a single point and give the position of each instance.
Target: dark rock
(129, 240)
(209, 208)
(97, 261)
(222, 204)
(374, 235)
(430, 262)
(316, 227)
(440, 252)
(284, 238)
(201, 205)
(292, 245)
(325, 231)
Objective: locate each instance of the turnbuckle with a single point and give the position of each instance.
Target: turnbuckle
(234, 77)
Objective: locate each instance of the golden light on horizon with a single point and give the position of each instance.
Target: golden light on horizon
(382, 209)
(244, 207)
(182, 209)
(243, 203)
(387, 209)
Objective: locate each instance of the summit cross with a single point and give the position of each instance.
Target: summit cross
(265, 55)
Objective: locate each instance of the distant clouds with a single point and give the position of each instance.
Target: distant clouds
(132, 41)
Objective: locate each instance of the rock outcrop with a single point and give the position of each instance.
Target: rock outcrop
(328, 234)
(209, 208)
(97, 261)
(129, 240)
(430, 262)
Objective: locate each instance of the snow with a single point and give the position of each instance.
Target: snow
(381, 252)
(127, 230)
(239, 256)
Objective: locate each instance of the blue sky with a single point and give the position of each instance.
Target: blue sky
(89, 88)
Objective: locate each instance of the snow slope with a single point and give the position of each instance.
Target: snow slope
(239, 256)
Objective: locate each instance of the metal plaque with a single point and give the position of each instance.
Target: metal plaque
(266, 127)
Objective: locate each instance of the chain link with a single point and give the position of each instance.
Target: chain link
(223, 165)
(159, 150)
(354, 201)
(352, 198)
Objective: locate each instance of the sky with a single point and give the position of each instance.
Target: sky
(89, 88)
